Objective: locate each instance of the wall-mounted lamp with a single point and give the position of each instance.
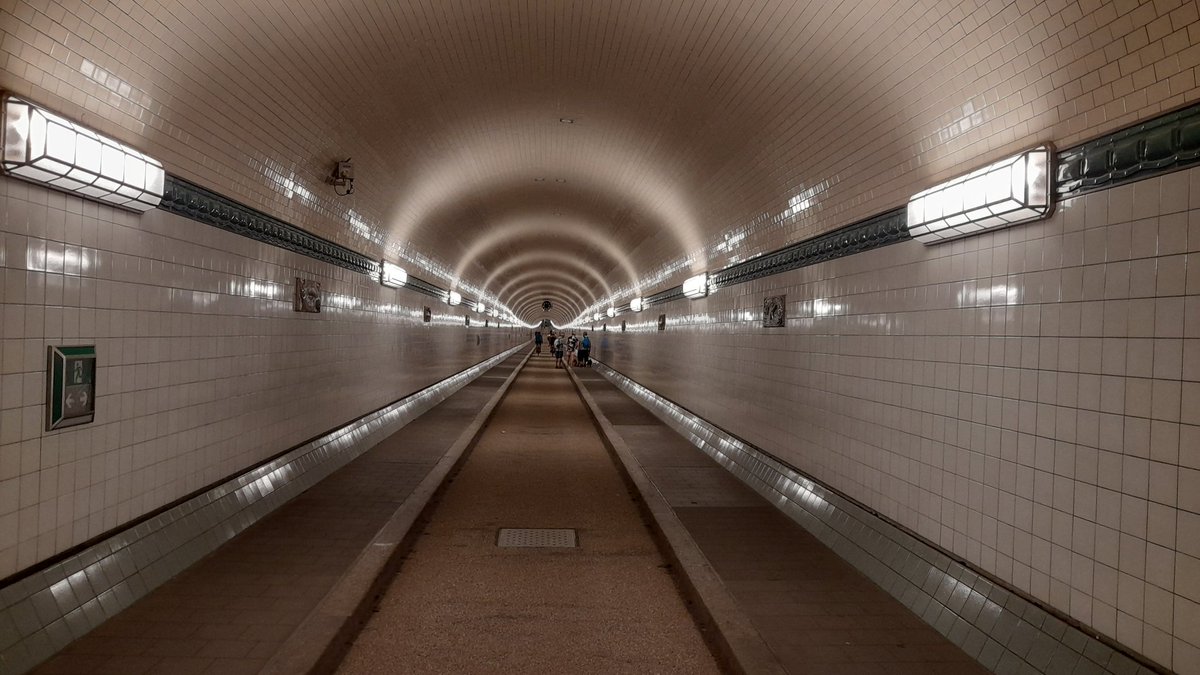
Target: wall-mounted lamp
(596, 316)
(342, 177)
(453, 298)
(612, 311)
(635, 305)
(697, 286)
(481, 308)
(392, 275)
(1011, 191)
(46, 148)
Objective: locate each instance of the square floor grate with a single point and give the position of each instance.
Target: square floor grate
(526, 537)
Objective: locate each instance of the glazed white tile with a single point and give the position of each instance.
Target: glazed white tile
(204, 369)
(1016, 398)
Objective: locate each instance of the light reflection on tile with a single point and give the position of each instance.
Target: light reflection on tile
(1024, 399)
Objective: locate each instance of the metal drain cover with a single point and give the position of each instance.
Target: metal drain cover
(527, 537)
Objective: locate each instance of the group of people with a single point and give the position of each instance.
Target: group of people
(566, 349)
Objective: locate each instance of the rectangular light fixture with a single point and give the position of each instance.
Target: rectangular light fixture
(453, 298)
(392, 275)
(697, 286)
(635, 305)
(42, 147)
(1011, 191)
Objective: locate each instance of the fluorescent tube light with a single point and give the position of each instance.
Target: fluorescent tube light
(1011, 191)
(697, 286)
(392, 275)
(46, 148)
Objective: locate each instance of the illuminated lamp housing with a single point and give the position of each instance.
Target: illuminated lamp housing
(697, 286)
(481, 308)
(453, 298)
(612, 311)
(46, 148)
(392, 275)
(635, 305)
(1012, 191)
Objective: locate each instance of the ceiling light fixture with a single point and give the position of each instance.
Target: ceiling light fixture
(453, 298)
(392, 275)
(612, 311)
(635, 305)
(46, 148)
(1012, 191)
(697, 286)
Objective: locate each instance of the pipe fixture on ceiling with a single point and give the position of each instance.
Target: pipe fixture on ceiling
(342, 177)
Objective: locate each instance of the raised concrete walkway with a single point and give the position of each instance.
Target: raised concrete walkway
(233, 611)
(783, 600)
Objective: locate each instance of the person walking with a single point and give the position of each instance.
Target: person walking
(537, 342)
(585, 351)
(559, 344)
(572, 345)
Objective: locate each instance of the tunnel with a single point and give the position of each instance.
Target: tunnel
(570, 336)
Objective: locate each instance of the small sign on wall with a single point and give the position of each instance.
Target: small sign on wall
(622, 325)
(468, 320)
(662, 321)
(308, 296)
(428, 315)
(774, 311)
(70, 386)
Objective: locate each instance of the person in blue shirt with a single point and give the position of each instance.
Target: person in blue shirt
(585, 351)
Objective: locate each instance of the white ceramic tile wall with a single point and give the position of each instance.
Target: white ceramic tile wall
(1027, 399)
(700, 122)
(204, 369)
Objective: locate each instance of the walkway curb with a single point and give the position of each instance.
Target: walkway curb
(321, 640)
(738, 643)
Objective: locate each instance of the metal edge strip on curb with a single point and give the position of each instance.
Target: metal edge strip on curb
(739, 641)
(42, 613)
(322, 638)
(992, 622)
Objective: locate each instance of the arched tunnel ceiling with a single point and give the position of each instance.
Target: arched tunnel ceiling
(622, 145)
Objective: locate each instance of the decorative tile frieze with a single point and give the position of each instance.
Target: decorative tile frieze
(1162, 144)
(774, 311)
(874, 232)
(191, 200)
